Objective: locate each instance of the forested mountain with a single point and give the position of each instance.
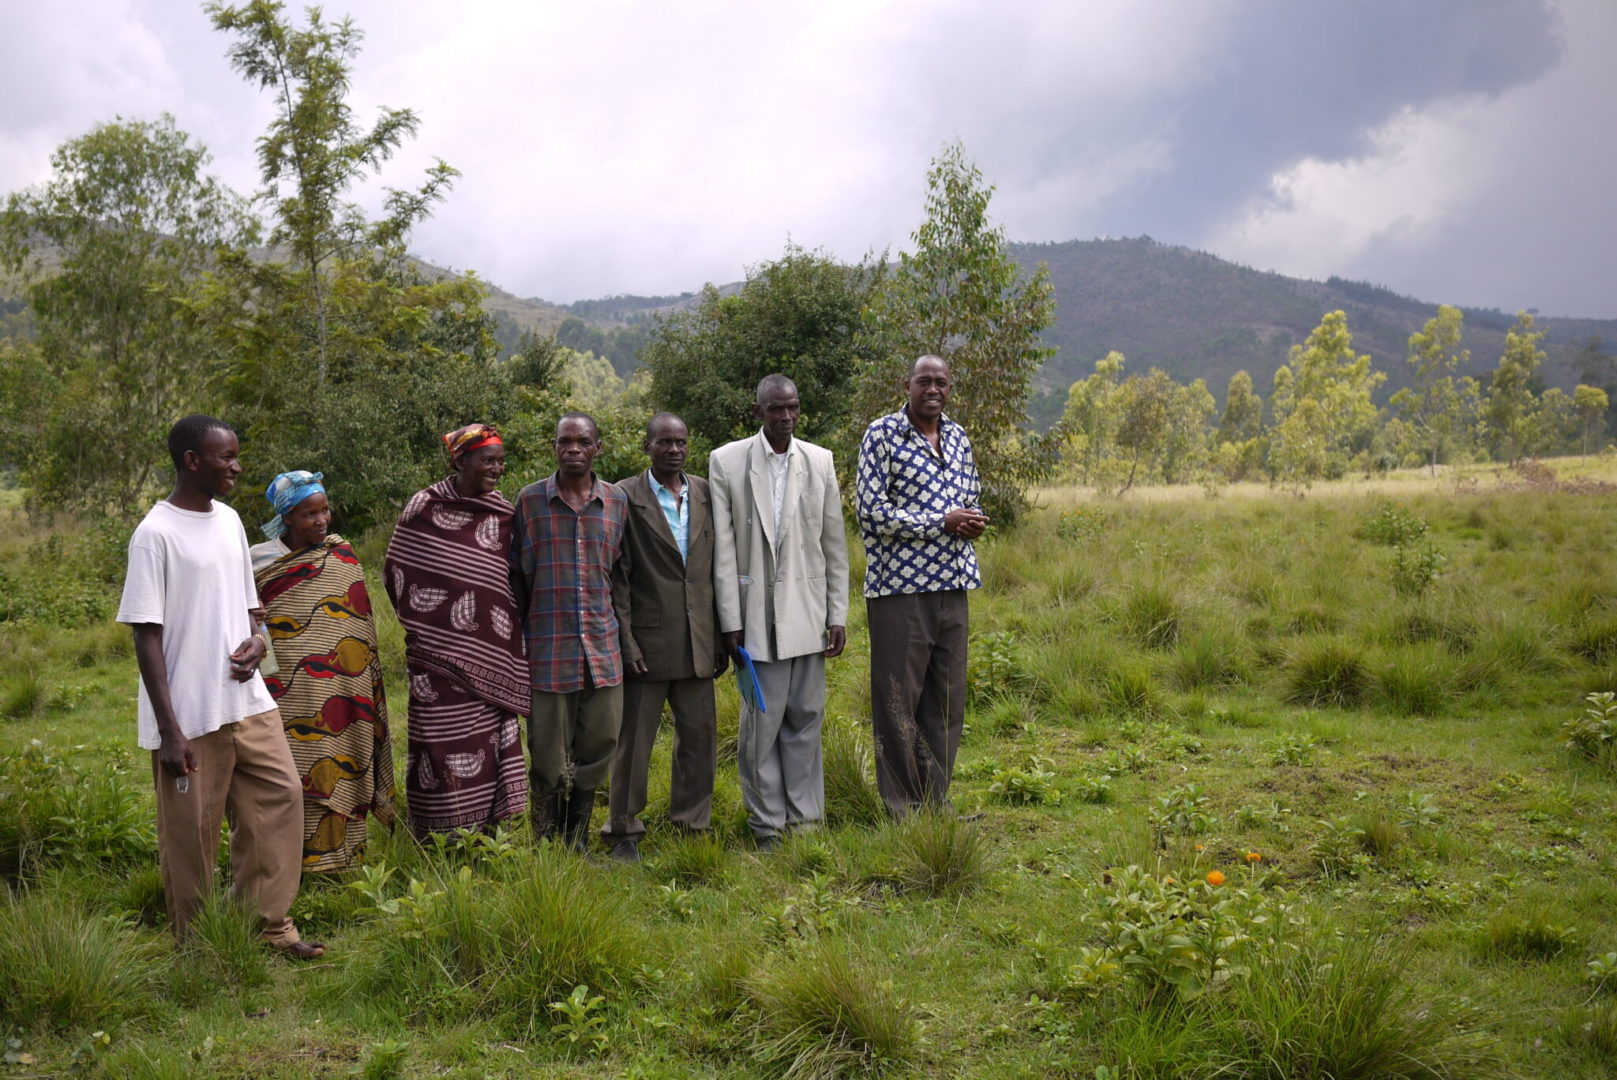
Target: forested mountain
(1190, 313)
(1193, 314)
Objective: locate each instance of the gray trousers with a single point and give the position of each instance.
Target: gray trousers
(690, 796)
(917, 694)
(571, 737)
(778, 751)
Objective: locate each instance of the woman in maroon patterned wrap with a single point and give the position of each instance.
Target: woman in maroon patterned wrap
(446, 572)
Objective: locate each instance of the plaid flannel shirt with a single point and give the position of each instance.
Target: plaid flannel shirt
(564, 562)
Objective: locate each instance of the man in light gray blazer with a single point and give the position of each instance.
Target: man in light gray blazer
(780, 579)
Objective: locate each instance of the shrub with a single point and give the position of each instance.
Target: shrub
(1327, 671)
(822, 1015)
(1416, 569)
(1391, 525)
(993, 666)
(63, 968)
(1183, 936)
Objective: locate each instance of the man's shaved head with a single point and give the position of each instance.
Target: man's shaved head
(771, 385)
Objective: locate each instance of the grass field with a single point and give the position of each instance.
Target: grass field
(1273, 787)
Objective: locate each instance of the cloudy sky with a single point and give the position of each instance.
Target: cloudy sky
(1450, 149)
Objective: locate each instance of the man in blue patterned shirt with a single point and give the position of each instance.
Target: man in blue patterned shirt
(917, 503)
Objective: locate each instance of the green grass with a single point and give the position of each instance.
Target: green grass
(1397, 763)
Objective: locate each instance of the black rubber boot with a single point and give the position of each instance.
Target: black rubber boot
(547, 811)
(580, 808)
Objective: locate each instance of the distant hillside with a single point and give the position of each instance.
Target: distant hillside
(1194, 314)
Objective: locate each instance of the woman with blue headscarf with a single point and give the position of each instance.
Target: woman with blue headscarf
(329, 683)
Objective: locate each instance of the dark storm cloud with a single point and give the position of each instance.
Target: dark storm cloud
(1263, 86)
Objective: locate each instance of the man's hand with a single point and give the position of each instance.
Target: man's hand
(638, 667)
(965, 522)
(244, 661)
(175, 755)
(721, 663)
(836, 638)
(732, 645)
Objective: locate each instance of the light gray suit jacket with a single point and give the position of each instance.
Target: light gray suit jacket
(802, 572)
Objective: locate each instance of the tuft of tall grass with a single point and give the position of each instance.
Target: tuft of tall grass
(1504, 651)
(937, 853)
(24, 695)
(1349, 1011)
(1511, 935)
(1596, 640)
(1152, 614)
(558, 927)
(822, 1015)
(851, 797)
(1327, 672)
(1208, 658)
(1591, 1030)
(1127, 687)
(222, 953)
(1416, 680)
(693, 858)
(63, 968)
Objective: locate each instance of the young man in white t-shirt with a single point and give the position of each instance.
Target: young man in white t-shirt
(217, 745)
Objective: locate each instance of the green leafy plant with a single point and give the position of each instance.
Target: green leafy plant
(1392, 525)
(1593, 735)
(384, 1060)
(1181, 812)
(580, 1022)
(1033, 784)
(1416, 569)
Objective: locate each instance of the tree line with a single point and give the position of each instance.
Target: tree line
(1320, 419)
(153, 290)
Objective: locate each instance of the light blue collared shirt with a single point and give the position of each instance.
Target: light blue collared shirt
(677, 509)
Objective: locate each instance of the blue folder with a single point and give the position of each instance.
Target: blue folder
(747, 681)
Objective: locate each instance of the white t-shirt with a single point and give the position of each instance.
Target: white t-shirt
(190, 573)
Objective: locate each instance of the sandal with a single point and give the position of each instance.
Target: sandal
(301, 950)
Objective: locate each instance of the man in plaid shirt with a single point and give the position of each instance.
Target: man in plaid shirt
(565, 546)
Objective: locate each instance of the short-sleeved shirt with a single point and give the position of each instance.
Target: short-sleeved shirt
(189, 572)
(566, 558)
(903, 491)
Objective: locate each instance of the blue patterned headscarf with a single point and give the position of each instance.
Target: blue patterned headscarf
(285, 492)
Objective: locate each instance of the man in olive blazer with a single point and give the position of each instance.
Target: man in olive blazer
(780, 567)
(671, 648)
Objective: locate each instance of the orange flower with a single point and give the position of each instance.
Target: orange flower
(1215, 878)
(1253, 856)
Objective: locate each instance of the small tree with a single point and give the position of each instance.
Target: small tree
(960, 296)
(110, 250)
(1591, 404)
(798, 315)
(1509, 411)
(1323, 409)
(1431, 407)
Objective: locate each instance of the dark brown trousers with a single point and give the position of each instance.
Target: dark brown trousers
(690, 796)
(917, 694)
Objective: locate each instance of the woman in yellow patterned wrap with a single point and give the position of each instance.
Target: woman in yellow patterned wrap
(329, 683)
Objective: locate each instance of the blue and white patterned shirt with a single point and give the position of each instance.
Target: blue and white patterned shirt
(904, 489)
